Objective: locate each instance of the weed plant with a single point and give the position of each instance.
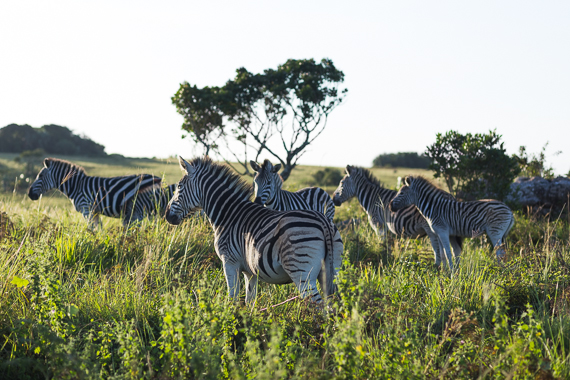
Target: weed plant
(151, 303)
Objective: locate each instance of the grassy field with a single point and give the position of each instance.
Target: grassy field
(151, 302)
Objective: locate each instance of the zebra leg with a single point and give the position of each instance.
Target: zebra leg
(232, 278)
(498, 244)
(446, 247)
(250, 287)
(306, 282)
(435, 245)
(456, 249)
(93, 220)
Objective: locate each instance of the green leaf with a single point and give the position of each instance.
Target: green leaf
(19, 282)
(72, 310)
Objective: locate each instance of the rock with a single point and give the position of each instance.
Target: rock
(539, 193)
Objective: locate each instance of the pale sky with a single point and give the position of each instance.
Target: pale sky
(108, 69)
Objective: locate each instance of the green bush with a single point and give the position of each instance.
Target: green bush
(402, 160)
(328, 177)
(474, 166)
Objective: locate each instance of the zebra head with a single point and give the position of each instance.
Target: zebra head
(405, 197)
(188, 196)
(346, 188)
(266, 181)
(44, 182)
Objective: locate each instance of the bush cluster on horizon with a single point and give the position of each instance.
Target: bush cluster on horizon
(402, 160)
(52, 139)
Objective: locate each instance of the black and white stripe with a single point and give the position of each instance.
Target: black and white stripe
(267, 184)
(450, 217)
(276, 247)
(408, 222)
(149, 202)
(91, 196)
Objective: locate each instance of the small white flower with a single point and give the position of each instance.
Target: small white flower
(22, 175)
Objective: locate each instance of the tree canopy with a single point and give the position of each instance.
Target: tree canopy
(53, 139)
(278, 112)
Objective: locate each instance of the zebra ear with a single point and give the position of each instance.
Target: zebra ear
(185, 166)
(276, 168)
(255, 166)
(348, 169)
(47, 161)
(407, 180)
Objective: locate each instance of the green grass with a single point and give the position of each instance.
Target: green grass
(151, 302)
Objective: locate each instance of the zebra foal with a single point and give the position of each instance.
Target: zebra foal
(448, 216)
(374, 199)
(267, 184)
(273, 246)
(91, 196)
(149, 202)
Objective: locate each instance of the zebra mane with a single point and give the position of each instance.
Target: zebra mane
(72, 167)
(235, 181)
(367, 174)
(428, 183)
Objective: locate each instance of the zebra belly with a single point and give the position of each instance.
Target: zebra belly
(274, 274)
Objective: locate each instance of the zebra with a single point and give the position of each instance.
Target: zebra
(148, 202)
(276, 247)
(374, 199)
(91, 196)
(447, 216)
(268, 192)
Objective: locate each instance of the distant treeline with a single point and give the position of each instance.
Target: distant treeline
(402, 160)
(52, 139)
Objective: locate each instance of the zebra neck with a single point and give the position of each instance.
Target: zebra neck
(278, 200)
(223, 206)
(427, 200)
(371, 196)
(71, 186)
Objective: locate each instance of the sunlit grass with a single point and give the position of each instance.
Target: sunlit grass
(151, 302)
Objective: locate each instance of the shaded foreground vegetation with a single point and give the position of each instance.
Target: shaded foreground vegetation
(152, 303)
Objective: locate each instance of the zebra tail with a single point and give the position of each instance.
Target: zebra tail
(503, 239)
(332, 255)
(329, 213)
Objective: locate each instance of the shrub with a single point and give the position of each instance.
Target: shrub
(473, 166)
(534, 165)
(403, 160)
(328, 177)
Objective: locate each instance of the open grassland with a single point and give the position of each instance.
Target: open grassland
(151, 302)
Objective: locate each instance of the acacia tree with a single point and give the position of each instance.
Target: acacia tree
(278, 112)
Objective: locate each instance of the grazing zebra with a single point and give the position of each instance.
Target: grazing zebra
(277, 247)
(267, 183)
(408, 222)
(148, 202)
(447, 216)
(91, 196)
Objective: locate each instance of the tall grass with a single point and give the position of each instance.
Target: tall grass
(151, 302)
